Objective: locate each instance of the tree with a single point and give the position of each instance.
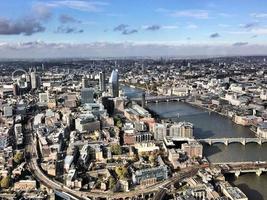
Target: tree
(152, 159)
(18, 157)
(5, 182)
(121, 172)
(118, 122)
(112, 183)
(116, 149)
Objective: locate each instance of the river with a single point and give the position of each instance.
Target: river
(213, 125)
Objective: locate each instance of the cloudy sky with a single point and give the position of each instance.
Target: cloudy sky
(89, 28)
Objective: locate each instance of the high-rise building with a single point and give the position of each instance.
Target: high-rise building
(102, 77)
(34, 80)
(87, 95)
(143, 99)
(84, 82)
(114, 83)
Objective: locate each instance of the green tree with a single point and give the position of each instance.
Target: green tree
(18, 157)
(118, 122)
(5, 182)
(116, 149)
(112, 183)
(121, 172)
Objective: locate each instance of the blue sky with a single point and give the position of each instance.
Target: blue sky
(36, 28)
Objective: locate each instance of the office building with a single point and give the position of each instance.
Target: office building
(114, 83)
(34, 80)
(87, 95)
(102, 77)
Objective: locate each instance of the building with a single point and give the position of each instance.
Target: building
(114, 83)
(102, 78)
(262, 130)
(193, 149)
(18, 134)
(87, 95)
(159, 131)
(44, 97)
(25, 185)
(181, 130)
(34, 80)
(8, 111)
(84, 82)
(234, 193)
(87, 123)
(150, 176)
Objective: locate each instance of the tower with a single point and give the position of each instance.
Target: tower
(143, 99)
(34, 80)
(102, 77)
(114, 83)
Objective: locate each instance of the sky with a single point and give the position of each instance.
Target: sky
(122, 28)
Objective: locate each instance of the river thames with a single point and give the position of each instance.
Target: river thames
(212, 125)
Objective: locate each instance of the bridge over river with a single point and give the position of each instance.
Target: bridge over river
(237, 168)
(227, 141)
(158, 99)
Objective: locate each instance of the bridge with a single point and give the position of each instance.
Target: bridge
(158, 99)
(237, 168)
(227, 141)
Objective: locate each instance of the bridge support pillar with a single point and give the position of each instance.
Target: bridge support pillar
(157, 101)
(260, 142)
(237, 173)
(243, 142)
(226, 142)
(259, 172)
(210, 142)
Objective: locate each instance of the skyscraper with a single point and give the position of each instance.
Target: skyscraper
(114, 83)
(102, 77)
(84, 82)
(34, 80)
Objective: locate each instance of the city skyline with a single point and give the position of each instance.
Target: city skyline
(105, 28)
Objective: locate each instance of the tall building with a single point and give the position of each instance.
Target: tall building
(102, 77)
(87, 95)
(34, 80)
(143, 99)
(114, 83)
(84, 82)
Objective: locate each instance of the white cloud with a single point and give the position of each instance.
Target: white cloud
(258, 15)
(89, 6)
(191, 26)
(170, 27)
(224, 25)
(198, 14)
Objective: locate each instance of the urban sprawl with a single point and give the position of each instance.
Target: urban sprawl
(69, 129)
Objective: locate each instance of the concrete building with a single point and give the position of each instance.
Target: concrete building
(87, 95)
(181, 130)
(159, 131)
(114, 83)
(34, 80)
(44, 97)
(193, 149)
(87, 123)
(262, 130)
(150, 175)
(102, 78)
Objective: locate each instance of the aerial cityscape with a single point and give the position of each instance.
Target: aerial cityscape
(136, 100)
